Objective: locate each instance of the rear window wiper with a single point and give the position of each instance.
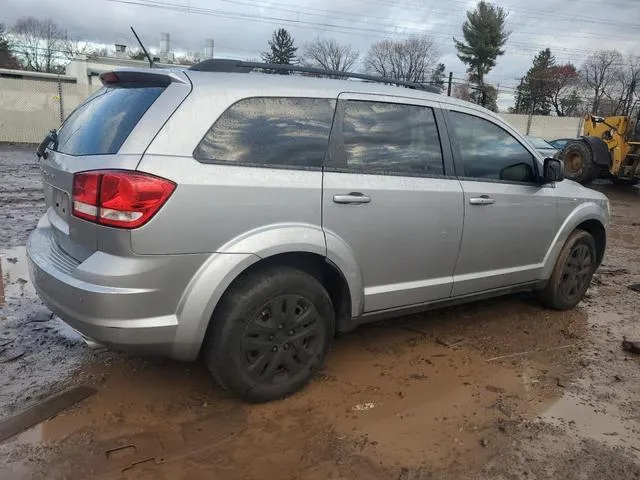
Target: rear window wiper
(52, 136)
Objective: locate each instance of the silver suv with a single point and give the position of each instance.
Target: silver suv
(250, 216)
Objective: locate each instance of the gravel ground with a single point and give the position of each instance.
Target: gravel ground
(498, 389)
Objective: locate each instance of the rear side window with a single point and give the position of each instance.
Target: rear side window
(389, 138)
(102, 123)
(489, 152)
(264, 131)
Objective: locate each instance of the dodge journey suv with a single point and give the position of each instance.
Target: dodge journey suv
(248, 217)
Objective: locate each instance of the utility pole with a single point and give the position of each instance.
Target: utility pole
(529, 118)
(519, 95)
(449, 85)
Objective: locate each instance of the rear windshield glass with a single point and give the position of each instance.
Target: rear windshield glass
(102, 124)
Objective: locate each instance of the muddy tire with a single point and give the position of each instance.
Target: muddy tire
(578, 162)
(572, 273)
(269, 334)
(625, 182)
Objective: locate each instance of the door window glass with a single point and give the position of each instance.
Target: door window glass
(390, 138)
(488, 151)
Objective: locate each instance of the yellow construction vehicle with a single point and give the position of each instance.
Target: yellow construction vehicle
(609, 148)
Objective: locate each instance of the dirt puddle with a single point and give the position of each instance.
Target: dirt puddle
(14, 273)
(396, 398)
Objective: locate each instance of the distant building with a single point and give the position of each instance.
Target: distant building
(87, 68)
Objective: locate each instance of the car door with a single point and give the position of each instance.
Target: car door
(509, 216)
(390, 196)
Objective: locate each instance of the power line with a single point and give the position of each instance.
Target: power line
(533, 13)
(353, 30)
(359, 19)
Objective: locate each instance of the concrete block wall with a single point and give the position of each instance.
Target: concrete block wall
(31, 104)
(546, 127)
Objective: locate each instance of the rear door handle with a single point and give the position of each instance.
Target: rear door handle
(353, 197)
(481, 200)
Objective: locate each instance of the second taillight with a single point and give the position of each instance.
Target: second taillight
(119, 198)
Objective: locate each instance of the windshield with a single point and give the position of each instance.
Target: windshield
(104, 121)
(539, 142)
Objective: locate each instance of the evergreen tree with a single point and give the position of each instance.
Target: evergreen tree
(535, 90)
(281, 49)
(484, 36)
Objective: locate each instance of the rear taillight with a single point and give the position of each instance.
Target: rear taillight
(119, 198)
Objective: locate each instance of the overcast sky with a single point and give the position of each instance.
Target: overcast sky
(571, 28)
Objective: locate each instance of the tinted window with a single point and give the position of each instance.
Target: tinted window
(488, 151)
(389, 137)
(102, 123)
(270, 131)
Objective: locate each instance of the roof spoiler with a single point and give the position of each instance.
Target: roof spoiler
(156, 77)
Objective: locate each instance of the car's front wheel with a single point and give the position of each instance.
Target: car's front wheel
(572, 273)
(270, 334)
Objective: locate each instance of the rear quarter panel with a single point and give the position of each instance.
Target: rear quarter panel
(217, 208)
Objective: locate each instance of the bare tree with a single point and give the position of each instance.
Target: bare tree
(138, 54)
(188, 58)
(411, 60)
(627, 86)
(599, 73)
(99, 52)
(7, 58)
(73, 48)
(328, 54)
(38, 44)
(462, 91)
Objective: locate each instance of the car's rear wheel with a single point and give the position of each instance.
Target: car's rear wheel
(572, 273)
(270, 334)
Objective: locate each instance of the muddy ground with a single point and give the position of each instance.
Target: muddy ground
(498, 389)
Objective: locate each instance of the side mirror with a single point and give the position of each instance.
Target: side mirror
(518, 172)
(553, 170)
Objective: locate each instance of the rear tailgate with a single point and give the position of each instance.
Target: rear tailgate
(110, 130)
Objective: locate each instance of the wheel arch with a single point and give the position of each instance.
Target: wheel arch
(320, 268)
(587, 216)
(298, 246)
(599, 234)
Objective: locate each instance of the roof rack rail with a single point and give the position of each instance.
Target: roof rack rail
(240, 66)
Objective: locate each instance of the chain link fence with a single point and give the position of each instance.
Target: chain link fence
(30, 107)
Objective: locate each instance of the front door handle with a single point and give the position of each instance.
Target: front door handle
(353, 197)
(481, 200)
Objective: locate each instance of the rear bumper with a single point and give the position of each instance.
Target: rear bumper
(129, 303)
